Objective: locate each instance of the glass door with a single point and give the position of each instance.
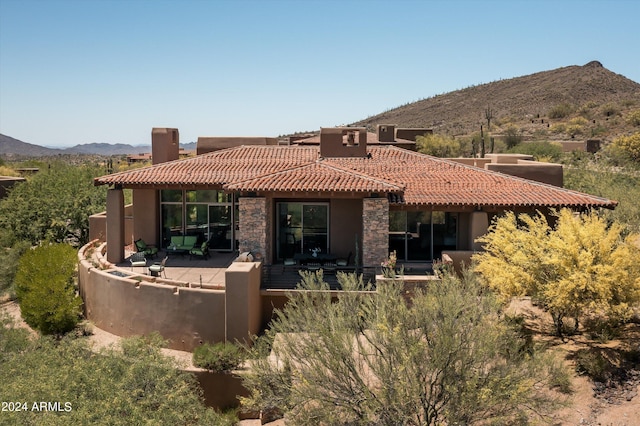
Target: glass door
(302, 228)
(220, 231)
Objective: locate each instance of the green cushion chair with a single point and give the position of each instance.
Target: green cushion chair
(203, 251)
(142, 247)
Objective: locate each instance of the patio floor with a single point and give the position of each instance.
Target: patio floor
(211, 272)
(195, 271)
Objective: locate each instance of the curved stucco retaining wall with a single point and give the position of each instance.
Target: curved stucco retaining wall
(129, 306)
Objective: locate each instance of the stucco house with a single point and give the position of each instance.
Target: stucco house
(342, 195)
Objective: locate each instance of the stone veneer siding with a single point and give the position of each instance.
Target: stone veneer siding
(255, 226)
(375, 231)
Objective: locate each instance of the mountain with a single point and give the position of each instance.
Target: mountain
(11, 146)
(107, 149)
(592, 92)
(17, 148)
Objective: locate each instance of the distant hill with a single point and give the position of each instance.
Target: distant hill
(591, 92)
(11, 147)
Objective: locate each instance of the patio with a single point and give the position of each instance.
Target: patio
(197, 271)
(210, 273)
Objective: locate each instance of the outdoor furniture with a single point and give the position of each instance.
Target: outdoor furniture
(138, 259)
(142, 247)
(344, 262)
(183, 242)
(158, 268)
(203, 251)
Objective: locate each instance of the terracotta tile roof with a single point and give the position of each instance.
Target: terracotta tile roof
(418, 179)
(318, 176)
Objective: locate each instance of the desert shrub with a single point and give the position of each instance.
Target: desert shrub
(9, 258)
(45, 288)
(540, 151)
(139, 386)
(558, 128)
(586, 110)
(219, 357)
(633, 117)
(593, 364)
(601, 328)
(562, 110)
(446, 358)
(626, 146)
(512, 136)
(609, 110)
(441, 146)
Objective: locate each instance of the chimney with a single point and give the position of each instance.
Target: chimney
(165, 145)
(386, 132)
(343, 142)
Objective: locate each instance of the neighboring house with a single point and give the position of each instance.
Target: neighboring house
(338, 195)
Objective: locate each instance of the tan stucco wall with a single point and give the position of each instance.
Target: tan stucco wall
(165, 144)
(125, 307)
(115, 225)
(146, 216)
(549, 173)
(209, 144)
(242, 301)
(478, 226)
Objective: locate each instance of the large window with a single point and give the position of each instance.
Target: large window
(207, 214)
(302, 227)
(422, 235)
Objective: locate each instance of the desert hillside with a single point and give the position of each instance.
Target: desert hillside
(575, 101)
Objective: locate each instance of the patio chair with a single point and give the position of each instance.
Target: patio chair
(344, 262)
(158, 268)
(142, 247)
(138, 259)
(203, 251)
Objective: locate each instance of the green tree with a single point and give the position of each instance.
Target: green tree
(45, 288)
(132, 384)
(440, 146)
(582, 265)
(53, 205)
(370, 358)
(626, 146)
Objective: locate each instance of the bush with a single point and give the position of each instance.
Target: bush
(540, 151)
(45, 288)
(625, 148)
(561, 110)
(219, 357)
(441, 146)
(633, 118)
(512, 136)
(609, 110)
(593, 364)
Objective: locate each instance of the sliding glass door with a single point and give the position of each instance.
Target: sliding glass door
(207, 214)
(302, 228)
(422, 235)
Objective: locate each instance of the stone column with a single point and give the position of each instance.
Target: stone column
(146, 216)
(115, 225)
(375, 231)
(255, 226)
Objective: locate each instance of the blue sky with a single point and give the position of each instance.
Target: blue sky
(75, 72)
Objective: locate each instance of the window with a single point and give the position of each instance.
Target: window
(422, 235)
(207, 214)
(301, 228)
